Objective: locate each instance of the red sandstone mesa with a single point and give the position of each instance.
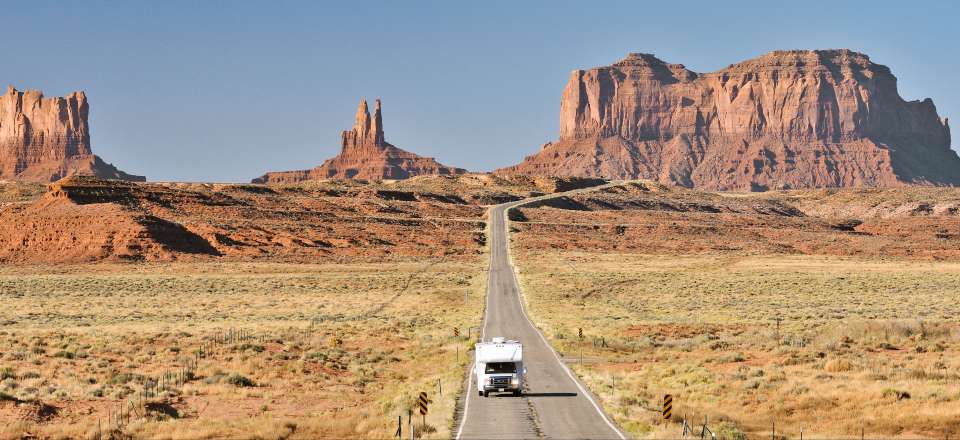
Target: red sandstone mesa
(788, 119)
(45, 139)
(365, 155)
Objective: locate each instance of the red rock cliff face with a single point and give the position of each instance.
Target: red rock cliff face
(45, 139)
(365, 154)
(788, 119)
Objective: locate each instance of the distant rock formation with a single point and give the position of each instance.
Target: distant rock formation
(788, 119)
(45, 139)
(365, 154)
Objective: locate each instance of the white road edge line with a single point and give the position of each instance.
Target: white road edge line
(523, 309)
(466, 406)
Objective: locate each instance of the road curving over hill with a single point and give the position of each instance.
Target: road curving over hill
(555, 403)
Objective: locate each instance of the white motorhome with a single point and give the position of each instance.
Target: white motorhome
(499, 367)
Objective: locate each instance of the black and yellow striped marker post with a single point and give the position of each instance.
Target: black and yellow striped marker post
(422, 403)
(580, 338)
(667, 406)
(456, 335)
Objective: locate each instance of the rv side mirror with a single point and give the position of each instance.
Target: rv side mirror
(524, 371)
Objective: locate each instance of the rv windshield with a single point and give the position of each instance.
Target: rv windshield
(501, 368)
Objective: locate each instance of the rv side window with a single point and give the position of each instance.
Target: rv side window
(501, 368)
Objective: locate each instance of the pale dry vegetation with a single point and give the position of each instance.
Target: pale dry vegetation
(867, 344)
(252, 350)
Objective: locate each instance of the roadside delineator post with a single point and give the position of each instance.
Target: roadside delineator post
(580, 336)
(422, 403)
(456, 335)
(667, 406)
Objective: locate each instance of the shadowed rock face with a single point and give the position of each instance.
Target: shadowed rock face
(365, 154)
(45, 139)
(788, 119)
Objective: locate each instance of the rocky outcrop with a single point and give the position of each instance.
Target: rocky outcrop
(45, 139)
(788, 119)
(365, 154)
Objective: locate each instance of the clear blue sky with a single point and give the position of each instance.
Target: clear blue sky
(225, 90)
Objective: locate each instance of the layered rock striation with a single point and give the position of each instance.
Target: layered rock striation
(45, 139)
(365, 154)
(788, 119)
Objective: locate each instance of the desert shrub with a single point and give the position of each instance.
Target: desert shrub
(799, 389)
(837, 366)
(719, 345)
(240, 381)
(895, 393)
(125, 377)
(65, 354)
(8, 384)
(637, 426)
(256, 348)
(317, 356)
(728, 430)
(217, 377)
(7, 373)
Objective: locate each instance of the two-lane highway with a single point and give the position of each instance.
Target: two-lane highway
(555, 404)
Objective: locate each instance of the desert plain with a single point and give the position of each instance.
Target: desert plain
(826, 311)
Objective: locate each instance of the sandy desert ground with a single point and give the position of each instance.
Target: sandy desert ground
(321, 309)
(330, 350)
(827, 311)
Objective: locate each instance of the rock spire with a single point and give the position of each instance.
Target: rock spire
(365, 154)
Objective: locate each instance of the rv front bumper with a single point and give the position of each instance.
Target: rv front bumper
(502, 383)
(501, 388)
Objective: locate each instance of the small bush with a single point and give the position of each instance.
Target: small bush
(122, 378)
(240, 381)
(728, 430)
(217, 377)
(895, 393)
(318, 356)
(837, 366)
(65, 354)
(256, 348)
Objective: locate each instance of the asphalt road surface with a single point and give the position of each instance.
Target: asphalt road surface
(555, 405)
